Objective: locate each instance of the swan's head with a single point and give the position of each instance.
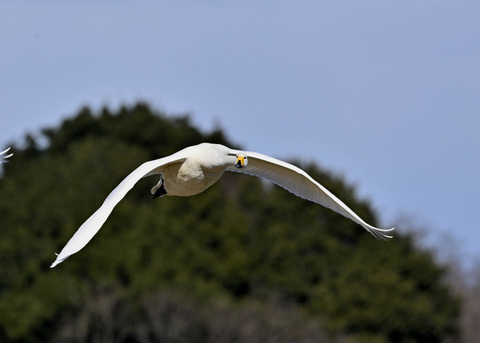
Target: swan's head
(242, 161)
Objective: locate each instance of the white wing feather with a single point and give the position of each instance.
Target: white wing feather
(298, 182)
(93, 224)
(3, 159)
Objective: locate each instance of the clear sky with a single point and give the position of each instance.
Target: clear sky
(385, 93)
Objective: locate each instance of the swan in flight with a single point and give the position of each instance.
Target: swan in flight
(3, 159)
(192, 170)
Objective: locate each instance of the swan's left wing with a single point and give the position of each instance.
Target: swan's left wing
(91, 226)
(298, 182)
(3, 157)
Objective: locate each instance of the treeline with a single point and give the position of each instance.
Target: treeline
(241, 262)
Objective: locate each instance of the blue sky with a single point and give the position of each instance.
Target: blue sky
(385, 93)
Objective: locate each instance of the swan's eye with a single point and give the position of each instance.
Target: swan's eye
(242, 161)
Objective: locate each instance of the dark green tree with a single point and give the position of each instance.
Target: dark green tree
(241, 252)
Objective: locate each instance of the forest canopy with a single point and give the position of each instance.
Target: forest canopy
(240, 262)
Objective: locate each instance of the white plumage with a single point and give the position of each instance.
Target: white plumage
(192, 170)
(3, 157)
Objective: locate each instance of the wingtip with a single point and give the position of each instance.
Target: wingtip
(57, 261)
(380, 233)
(5, 151)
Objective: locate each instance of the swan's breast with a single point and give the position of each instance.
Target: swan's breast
(190, 177)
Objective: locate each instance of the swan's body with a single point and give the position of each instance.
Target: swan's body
(191, 175)
(192, 170)
(3, 157)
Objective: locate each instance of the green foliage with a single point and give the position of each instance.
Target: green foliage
(242, 256)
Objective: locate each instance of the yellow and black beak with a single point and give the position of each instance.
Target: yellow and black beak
(241, 162)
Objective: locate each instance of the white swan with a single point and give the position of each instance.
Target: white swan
(192, 170)
(3, 159)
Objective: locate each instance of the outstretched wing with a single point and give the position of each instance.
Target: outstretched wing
(298, 182)
(91, 226)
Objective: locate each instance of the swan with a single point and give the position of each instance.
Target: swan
(194, 169)
(3, 159)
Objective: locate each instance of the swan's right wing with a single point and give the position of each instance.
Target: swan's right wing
(93, 224)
